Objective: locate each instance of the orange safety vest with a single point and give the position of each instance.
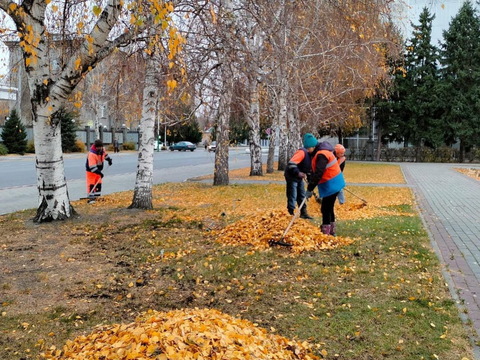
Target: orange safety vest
(332, 180)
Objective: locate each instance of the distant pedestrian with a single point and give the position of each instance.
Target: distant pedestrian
(94, 166)
(296, 173)
(115, 146)
(340, 155)
(328, 178)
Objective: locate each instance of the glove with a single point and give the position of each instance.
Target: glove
(99, 173)
(302, 175)
(308, 194)
(109, 160)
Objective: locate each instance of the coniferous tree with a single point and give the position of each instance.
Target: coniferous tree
(14, 134)
(412, 112)
(416, 102)
(461, 78)
(68, 128)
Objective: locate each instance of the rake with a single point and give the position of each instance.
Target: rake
(281, 241)
(94, 186)
(364, 202)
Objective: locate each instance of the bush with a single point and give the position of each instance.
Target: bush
(79, 146)
(130, 145)
(30, 147)
(3, 150)
(445, 154)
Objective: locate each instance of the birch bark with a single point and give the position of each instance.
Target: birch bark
(142, 195)
(49, 91)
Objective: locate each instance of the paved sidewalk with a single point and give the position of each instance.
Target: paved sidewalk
(449, 203)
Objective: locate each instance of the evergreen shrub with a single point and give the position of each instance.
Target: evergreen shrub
(3, 150)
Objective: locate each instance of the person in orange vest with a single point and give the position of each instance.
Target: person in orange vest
(340, 155)
(328, 178)
(94, 166)
(296, 171)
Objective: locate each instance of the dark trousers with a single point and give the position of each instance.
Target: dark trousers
(295, 194)
(328, 213)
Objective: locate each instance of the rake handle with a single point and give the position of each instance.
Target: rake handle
(295, 215)
(365, 201)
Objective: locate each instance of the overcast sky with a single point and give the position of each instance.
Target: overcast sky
(443, 10)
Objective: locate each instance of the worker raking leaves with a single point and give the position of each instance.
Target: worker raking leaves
(328, 177)
(94, 166)
(299, 166)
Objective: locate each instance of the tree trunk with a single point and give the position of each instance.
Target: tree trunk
(142, 196)
(271, 147)
(220, 175)
(282, 126)
(294, 137)
(379, 144)
(462, 151)
(254, 134)
(53, 199)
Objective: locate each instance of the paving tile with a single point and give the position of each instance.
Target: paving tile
(448, 202)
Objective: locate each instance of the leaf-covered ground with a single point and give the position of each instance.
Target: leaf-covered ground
(355, 172)
(375, 292)
(472, 172)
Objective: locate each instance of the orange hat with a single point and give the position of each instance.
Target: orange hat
(339, 150)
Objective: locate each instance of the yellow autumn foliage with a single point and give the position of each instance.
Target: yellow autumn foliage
(472, 172)
(183, 335)
(258, 229)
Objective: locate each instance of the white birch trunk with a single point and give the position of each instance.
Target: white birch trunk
(282, 123)
(142, 195)
(49, 91)
(53, 199)
(294, 136)
(220, 175)
(254, 122)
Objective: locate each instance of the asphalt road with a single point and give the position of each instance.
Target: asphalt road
(18, 187)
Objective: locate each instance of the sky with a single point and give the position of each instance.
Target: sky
(444, 10)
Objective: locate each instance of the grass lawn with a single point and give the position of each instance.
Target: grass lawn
(379, 296)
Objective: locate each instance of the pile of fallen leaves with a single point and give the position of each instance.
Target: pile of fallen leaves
(472, 172)
(183, 335)
(258, 229)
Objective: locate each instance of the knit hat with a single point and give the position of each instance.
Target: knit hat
(98, 143)
(309, 141)
(339, 150)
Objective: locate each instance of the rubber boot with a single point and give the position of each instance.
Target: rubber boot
(333, 228)
(325, 229)
(304, 214)
(291, 211)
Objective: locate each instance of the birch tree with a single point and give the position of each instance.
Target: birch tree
(93, 41)
(142, 196)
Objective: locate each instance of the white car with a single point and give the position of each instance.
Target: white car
(212, 146)
(157, 145)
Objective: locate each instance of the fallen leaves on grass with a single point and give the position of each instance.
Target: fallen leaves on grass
(183, 334)
(354, 173)
(473, 173)
(258, 229)
(381, 201)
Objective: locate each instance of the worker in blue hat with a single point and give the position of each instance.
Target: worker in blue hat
(299, 166)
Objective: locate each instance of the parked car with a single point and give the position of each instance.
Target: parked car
(183, 146)
(212, 146)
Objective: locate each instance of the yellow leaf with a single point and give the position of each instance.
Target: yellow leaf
(78, 64)
(97, 10)
(12, 7)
